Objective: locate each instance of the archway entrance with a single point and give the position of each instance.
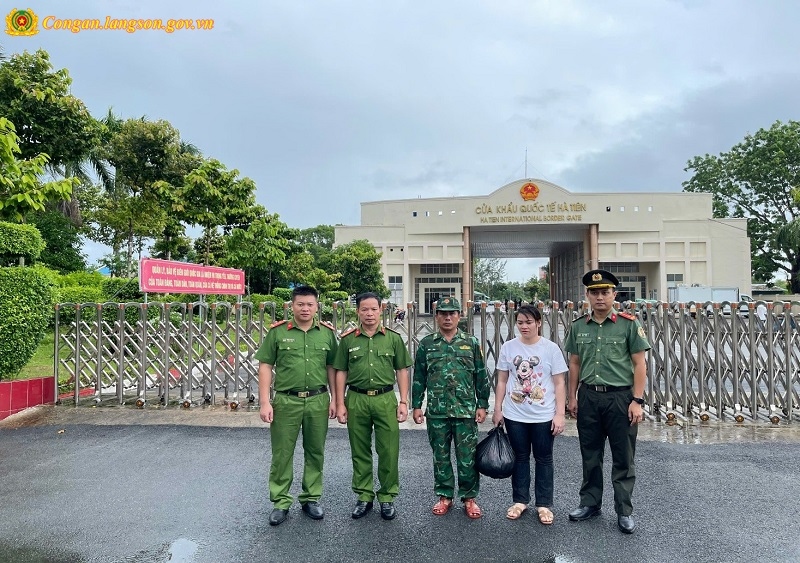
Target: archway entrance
(562, 245)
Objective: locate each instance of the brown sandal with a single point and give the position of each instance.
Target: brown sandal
(545, 515)
(442, 506)
(516, 510)
(472, 509)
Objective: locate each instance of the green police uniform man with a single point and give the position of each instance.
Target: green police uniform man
(369, 360)
(449, 366)
(608, 358)
(302, 352)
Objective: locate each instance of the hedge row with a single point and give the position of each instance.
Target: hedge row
(19, 241)
(26, 304)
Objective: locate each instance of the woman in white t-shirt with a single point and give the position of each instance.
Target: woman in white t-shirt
(530, 399)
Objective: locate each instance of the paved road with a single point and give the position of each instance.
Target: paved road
(117, 484)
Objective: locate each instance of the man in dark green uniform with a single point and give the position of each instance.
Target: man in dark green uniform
(607, 356)
(302, 352)
(449, 366)
(369, 360)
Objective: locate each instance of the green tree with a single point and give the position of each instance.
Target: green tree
(49, 119)
(63, 241)
(302, 269)
(536, 289)
(261, 246)
(319, 242)
(209, 247)
(755, 180)
(143, 154)
(21, 191)
(212, 196)
(359, 265)
(487, 274)
(174, 248)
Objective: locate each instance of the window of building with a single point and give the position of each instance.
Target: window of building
(618, 267)
(622, 208)
(413, 213)
(439, 269)
(395, 279)
(677, 278)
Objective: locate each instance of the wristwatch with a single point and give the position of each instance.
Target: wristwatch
(639, 400)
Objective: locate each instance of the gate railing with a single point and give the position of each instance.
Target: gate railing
(721, 366)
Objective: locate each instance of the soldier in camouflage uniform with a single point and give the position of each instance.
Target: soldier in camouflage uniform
(449, 366)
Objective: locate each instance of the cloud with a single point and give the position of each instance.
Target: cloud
(325, 105)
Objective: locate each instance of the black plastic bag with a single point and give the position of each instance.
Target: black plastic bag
(494, 456)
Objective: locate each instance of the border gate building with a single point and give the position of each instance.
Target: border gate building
(650, 241)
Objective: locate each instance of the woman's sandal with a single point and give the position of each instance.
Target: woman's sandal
(442, 506)
(516, 510)
(472, 509)
(545, 515)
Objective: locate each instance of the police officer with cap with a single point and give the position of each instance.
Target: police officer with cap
(607, 367)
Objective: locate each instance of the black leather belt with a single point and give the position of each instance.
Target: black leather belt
(607, 388)
(373, 392)
(304, 394)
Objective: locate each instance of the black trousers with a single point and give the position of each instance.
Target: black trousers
(601, 417)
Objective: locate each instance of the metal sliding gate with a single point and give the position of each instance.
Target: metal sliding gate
(723, 367)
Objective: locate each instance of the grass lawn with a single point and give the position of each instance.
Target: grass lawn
(41, 364)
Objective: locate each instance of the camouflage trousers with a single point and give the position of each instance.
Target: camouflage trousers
(463, 432)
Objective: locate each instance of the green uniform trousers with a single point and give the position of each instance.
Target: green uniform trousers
(464, 433)
(601, 416)
(363, 414)
(290, 415)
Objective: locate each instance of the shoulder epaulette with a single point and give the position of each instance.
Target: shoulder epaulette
(582, 317)
(390, 329)
(327, 324)
(351, 331)
(278, 323)
(627, 316)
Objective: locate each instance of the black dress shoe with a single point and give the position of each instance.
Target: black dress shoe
(361, 509)
(278, 515)
(584, 513)
(626, 524)
(387, 511)
(313, 510)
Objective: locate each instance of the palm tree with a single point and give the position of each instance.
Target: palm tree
(94, 162)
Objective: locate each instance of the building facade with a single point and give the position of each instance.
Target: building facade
(650, 241)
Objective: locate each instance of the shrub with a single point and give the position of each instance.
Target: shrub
(77, 294)
(53, 276)
(121, 290)
(19, 241)
(283, 294)
(337, 296)
(26, 301)
(257, 299)
(87, 279)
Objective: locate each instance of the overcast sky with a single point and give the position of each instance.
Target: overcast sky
(327, 104)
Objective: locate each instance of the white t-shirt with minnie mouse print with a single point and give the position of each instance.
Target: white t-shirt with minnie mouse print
(530, 392)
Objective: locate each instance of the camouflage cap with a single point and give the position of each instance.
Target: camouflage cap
(448, 304)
